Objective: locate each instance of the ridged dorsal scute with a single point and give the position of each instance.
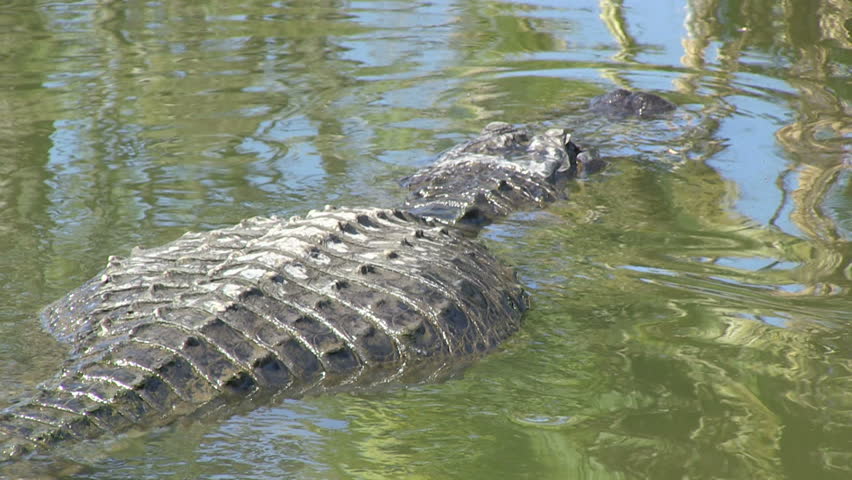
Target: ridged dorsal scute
(500, 171)
(342, 296)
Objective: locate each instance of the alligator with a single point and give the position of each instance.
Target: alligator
(624, 103)
(272, 306)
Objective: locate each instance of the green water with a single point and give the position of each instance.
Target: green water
(691, 317)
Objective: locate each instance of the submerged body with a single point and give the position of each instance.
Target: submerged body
(273, 306)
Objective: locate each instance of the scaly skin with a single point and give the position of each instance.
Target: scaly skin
(624, 103)
(272, 306)
(502, 170)
(266, 306)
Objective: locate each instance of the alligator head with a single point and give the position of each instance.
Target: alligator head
(502, 170)
(624, 103)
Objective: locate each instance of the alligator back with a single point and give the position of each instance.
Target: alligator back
(342, 296)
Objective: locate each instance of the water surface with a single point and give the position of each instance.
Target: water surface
(691, 316)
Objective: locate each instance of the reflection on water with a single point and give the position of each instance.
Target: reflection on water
(691, 305)
(721, 345)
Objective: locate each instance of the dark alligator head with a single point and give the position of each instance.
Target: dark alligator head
(502, 170)
(624, 103)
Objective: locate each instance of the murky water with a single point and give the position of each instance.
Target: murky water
(692, 315)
